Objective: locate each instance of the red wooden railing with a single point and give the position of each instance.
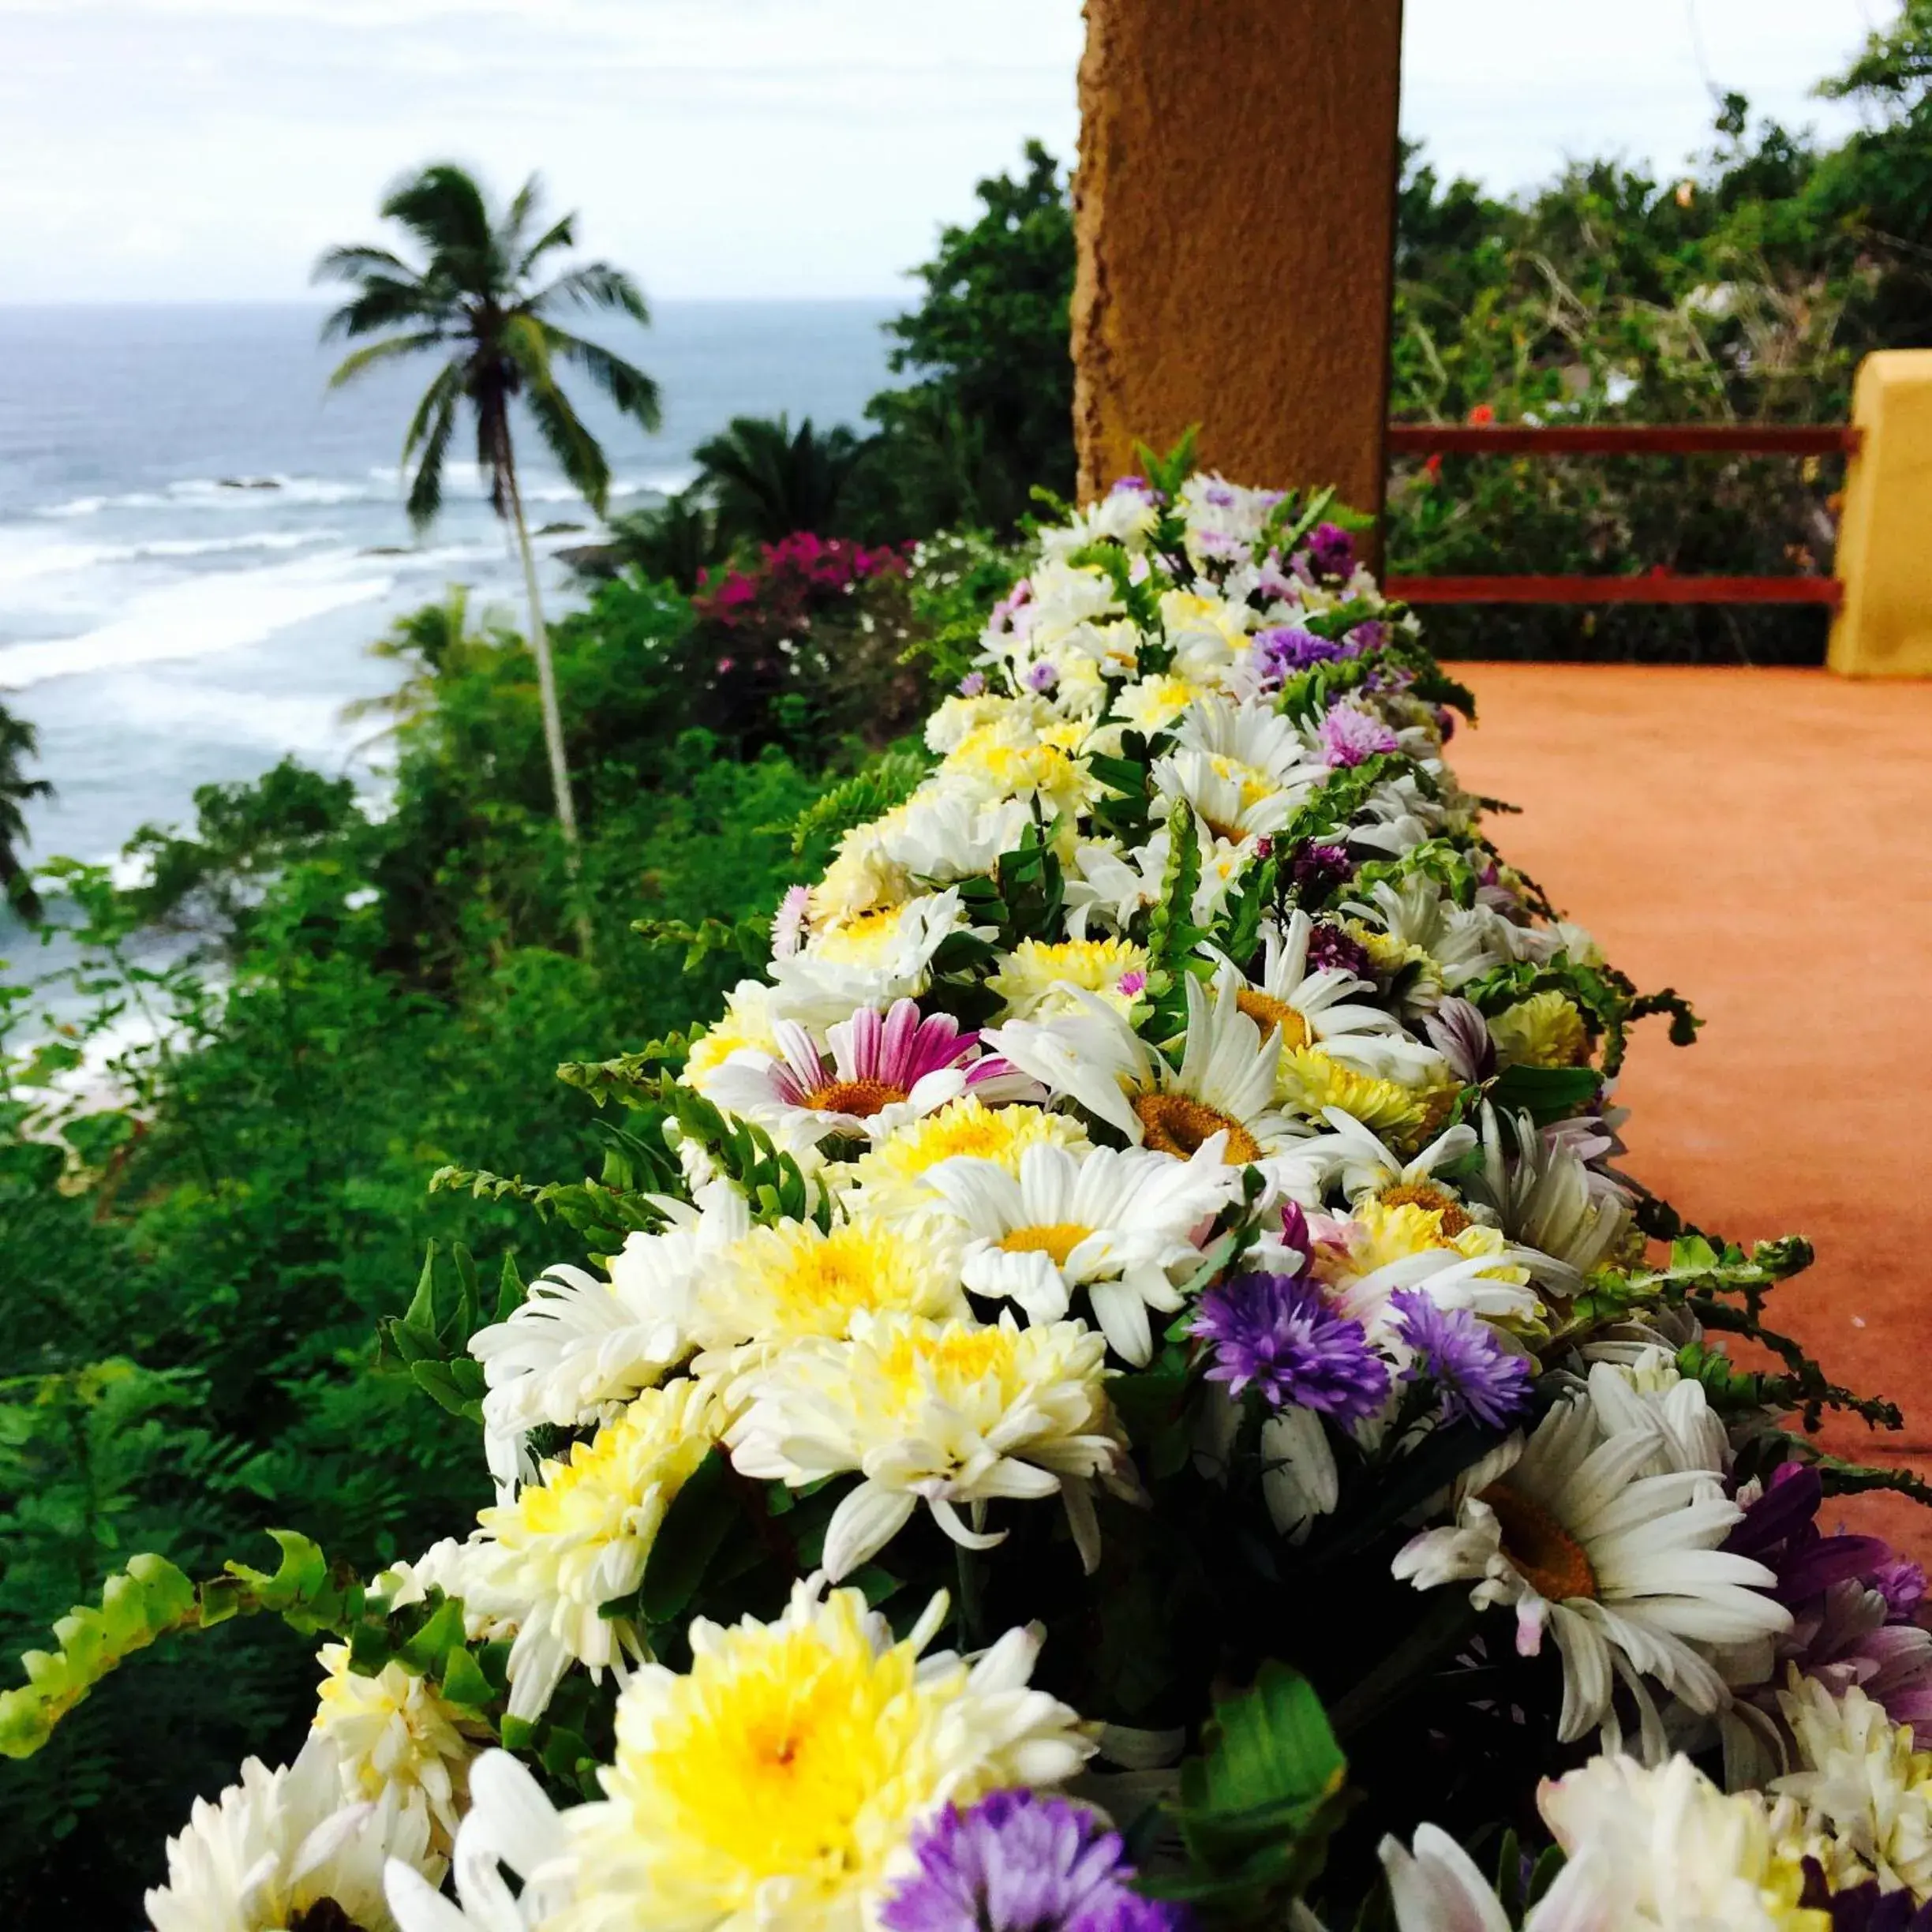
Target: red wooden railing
(1620, 440)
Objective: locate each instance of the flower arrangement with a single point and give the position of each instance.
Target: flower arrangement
(1124, 1387)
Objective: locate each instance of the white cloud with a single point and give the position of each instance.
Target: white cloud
(175, 148)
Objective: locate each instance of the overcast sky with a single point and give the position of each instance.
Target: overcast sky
(170, 149)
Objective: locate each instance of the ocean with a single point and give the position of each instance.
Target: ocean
(198, 541)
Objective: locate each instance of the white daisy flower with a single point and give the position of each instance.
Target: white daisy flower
(281, 1845)
(1242, 769)
(1544, 1195)
(942, 1414)
(1362, 1163)
(1311, 1009)
(1222, 1091)
(1626, 1570)
(1117, 1223)
(578, 1344)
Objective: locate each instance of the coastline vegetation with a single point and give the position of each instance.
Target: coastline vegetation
(213, 1186)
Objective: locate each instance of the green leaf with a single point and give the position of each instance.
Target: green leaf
(1545, 1094)
(694, 1527)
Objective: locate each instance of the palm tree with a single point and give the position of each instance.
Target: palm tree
(768, 482)
(434, 641)
(675, 542)
(475, 302)
(18, 742)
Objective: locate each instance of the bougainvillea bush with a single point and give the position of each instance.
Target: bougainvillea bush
(1122, 1386)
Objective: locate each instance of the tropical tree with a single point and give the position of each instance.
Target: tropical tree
(475, 302)
(767, 480)
(18, 742)
(675, 542)
(435, 642)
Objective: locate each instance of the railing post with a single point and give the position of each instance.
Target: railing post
(1884, 625)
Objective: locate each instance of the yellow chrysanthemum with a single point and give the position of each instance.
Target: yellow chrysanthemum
(865, 939)
(1033, 979)
(1403, 1116)
(1187, 610)
(1860, 1803)
(1387, 954)
(746, 1023)
(946, 1415)
(779, 1284)
(1001, 763)
(889, 1176)
(773, 1784)
(393, 1729)
(861, 875)
(579, 1538)
(1155, 702)
(1545, 1030)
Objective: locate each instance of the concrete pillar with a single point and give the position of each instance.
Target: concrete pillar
(1235, 204)
(1884, 625)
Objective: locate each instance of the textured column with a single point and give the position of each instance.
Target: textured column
(1235, 204)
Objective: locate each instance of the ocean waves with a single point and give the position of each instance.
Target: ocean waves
(199, 615)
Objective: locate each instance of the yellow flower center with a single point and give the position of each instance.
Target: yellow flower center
(1431, 1200)
(1057, 1239)
(1539, 1548)
(860, 941)
(1175, 1124)
(1267, 1011)
(860, 1097)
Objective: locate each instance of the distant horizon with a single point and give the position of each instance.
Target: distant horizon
(11, 303)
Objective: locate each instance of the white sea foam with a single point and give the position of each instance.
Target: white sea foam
(223, 493)
(201, 616)
(25, 555)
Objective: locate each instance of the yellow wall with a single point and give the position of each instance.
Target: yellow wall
(1884, 626)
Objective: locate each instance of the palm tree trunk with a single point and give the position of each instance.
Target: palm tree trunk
(546, 671)
(547, 698)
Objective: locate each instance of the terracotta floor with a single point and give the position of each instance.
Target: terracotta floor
(1763, 841)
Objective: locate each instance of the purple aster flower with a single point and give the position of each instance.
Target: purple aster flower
(1476, 1377)
(1331, 550)
(1902, 1584)
(1845, 1629)
(1042, 677)
(1278, 1332)
(1457, 1032)
(1016, 1862)
(1318, 870)
(1219, 495)
(972, 685)
(1370, 634)
(1288, 648)
(1349, 734)
(1132, 984)
(1863, 1908)
(1272, 582)
(1329, 946)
